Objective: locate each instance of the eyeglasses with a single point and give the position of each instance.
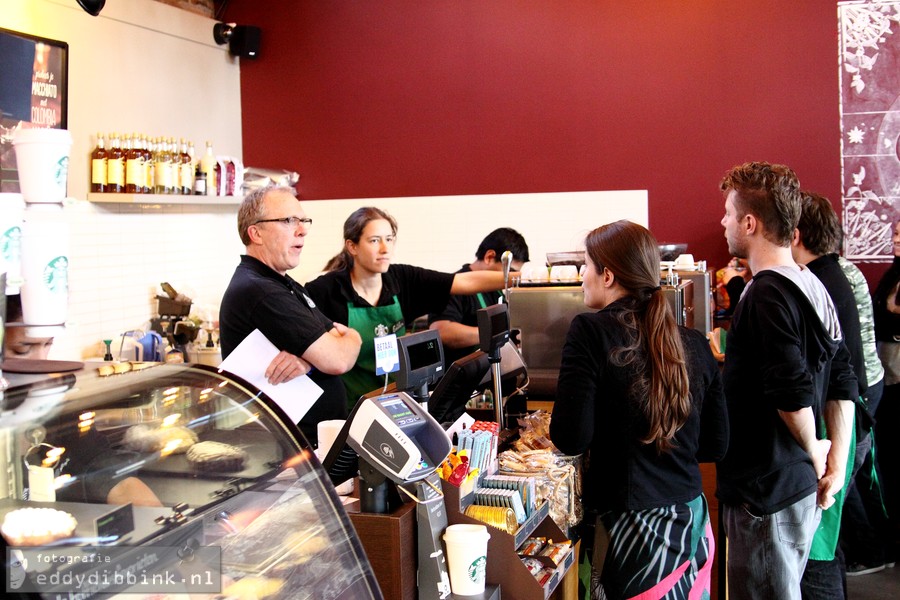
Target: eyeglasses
(290, 221)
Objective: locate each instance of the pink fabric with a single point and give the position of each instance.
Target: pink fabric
(704, 576)
(701, 584)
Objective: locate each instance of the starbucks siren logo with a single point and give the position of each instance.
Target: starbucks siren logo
(477, 568)
(62, 172)
(56, 275)
(11, 244)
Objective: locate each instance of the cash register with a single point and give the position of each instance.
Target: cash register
(396, 440)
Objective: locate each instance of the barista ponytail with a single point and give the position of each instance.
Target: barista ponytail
(655, 354)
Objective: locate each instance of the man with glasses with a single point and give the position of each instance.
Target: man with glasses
(261, 295)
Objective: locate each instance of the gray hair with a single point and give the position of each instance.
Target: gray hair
(251, 209)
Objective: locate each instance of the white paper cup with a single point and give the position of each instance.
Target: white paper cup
(466, 558)
(12, 211)
(327, 432)
(684, 260)
(45, 269)
(42, 159)
(532, 272)
(563, 273)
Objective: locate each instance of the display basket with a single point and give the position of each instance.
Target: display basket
(172, 308)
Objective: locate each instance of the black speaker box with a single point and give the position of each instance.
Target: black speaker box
(244, 41)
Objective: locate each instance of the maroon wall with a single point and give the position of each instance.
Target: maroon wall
(412, 97)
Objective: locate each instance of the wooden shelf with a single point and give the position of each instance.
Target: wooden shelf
(161, 199)
(504, 566)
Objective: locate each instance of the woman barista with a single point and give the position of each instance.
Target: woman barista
(364, 291)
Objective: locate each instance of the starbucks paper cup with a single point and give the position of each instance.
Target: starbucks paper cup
(42, 158)
(45, 270)
(466, 558)
(12, 210)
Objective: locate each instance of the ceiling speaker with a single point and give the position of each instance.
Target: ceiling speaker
(244, 41)
(92, 7)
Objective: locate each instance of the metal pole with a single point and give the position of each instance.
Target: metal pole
(498, 395)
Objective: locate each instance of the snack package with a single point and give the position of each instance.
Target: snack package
(557, 479)
(557, 552)
(532, 546)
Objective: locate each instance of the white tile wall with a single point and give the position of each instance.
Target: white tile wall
(119, 255)
(443, 232)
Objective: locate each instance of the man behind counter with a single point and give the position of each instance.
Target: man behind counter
(261, 295)
(458, 322)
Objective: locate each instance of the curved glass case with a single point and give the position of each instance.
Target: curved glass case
(199, 460)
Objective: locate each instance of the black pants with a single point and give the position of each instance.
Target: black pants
(864, 525)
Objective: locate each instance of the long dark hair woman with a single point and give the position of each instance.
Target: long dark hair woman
(644, 397)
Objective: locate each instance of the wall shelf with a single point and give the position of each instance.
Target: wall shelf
(160, 199)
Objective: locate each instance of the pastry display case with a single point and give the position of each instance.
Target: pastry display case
(168, 468)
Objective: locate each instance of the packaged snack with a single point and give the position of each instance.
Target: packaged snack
(543, 576)
(533, 565)
(557, 552)
(532, 546)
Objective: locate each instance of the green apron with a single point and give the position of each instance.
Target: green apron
(370, 322)
(825, 539)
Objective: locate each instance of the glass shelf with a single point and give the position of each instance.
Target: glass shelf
(160, 199)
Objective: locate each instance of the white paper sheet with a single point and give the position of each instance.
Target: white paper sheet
(250, 360)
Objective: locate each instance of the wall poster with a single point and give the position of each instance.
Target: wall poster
(33, 92)
(870, 126)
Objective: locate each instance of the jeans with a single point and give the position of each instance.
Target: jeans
(767, 554)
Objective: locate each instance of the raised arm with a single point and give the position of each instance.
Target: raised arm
(472, 282)
(456, 335)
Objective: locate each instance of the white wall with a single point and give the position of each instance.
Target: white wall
(140, 66)
(443, 232)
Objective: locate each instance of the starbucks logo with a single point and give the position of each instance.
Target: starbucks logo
(56, 275)
(62, 171)
(10, 243)
(477, 569)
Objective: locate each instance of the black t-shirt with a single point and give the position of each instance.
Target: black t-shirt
(420, 291)
(259, 298)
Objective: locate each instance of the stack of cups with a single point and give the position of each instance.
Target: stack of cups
(42, 158)
(466, 558)
(12, 213)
